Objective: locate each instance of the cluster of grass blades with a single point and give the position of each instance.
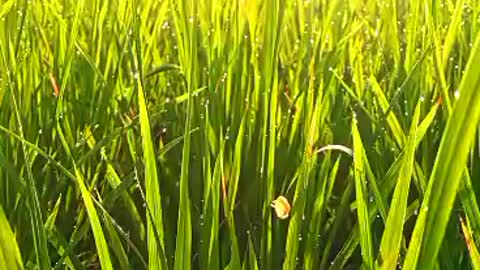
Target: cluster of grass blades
(156, 134)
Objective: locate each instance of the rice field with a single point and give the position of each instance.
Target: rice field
(239, 134)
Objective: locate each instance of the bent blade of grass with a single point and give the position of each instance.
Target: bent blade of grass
(393, 233)
(9, 253)
(162, 68)
(361, 193)
(152, 186)
(448, 168)
(338, 147)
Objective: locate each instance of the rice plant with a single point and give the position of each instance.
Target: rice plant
(239, 134)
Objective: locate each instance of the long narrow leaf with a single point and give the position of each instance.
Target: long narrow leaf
(451, 158)
(361, 191)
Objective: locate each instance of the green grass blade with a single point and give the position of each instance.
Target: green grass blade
(9, 253)
(392, 235)
(102, 247)
(116, 245)
(99, 236)
(448, 168)
(468, 197)
(251, 261)
(184, 12)
(5, 7)
(311, 252)
(212, 209)
(361, 195)
(452, 31)
(34, 207)
(470, 242)
(152, 187)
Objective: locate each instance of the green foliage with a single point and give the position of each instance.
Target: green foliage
(9, 253)
(156, 134)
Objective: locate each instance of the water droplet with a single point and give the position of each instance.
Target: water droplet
(456, 94)
(165, 25)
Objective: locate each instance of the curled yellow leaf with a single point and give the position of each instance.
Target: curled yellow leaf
(282, 207)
